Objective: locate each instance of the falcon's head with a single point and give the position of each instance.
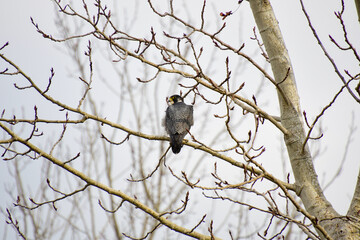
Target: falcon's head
(174, 99)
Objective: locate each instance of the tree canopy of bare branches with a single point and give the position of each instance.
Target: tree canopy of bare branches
(86, 153)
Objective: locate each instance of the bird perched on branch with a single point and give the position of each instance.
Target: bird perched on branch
(178, 121)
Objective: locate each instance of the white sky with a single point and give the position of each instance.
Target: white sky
(316, 80)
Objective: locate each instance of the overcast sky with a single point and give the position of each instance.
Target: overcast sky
(316, 80)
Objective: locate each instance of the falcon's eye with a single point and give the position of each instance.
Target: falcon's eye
(170, 100)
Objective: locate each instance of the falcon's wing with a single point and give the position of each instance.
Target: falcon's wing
(179, 118)
(191, 118)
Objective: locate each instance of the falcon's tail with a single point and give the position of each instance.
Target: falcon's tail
(176, 142)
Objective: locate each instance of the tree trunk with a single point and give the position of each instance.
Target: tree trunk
(357, 4)
(309, 189)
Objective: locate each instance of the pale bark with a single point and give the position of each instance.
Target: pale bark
(354, 209)
(300, 157)
(357, 4)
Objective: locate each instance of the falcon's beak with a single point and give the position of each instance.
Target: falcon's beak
(169, 101)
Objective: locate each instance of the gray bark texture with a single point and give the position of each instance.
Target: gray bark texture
(324, 217)
(357, 5)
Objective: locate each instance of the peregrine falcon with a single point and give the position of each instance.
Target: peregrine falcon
(178, 120)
